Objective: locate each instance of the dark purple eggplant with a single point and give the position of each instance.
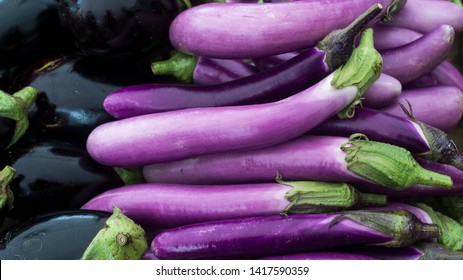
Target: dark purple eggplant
(55, 236)
(118, 28)
(71, 90)
(30, 28)
(54, 176)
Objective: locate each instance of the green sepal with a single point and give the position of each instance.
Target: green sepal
(119, 239)
(130, 176)
(180, 65)
(388, 165)
(435, 251)
(403, 227)
(361, 70)
(458, 2)
(451, 232)
(6, 195)
(393, 9)
(452, 206)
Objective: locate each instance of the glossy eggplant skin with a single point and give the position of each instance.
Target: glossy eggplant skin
(119, 28)
(7, 127)
(30, 27)
(71, 89)
(53, 236)
(54, 176)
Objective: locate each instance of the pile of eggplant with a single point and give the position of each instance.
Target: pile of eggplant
(287, 129)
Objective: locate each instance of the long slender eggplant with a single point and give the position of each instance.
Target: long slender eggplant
(383, 92)
(272, 235)
(71, 90)
(440, 107)
(287, 79)
(282, 27)
(409, 133)
(389, 37)
(202, 70)
(170, 205)
(424, 16)
(54, 175)
(419, 57)
(13, 115)
(29, 29)
(188, 133)
(446, 74)
(313, 158)
(52, 236)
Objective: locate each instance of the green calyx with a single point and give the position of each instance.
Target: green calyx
(458, 2)
(180, 65)
(309, 197)
(393, 9)
(119, 239)
(451, 232)
(16, 107)
(388, 165)
(452, 206)
(130, 176)
(403, 227)
(435, 251)
(361, 70)
(6, 195)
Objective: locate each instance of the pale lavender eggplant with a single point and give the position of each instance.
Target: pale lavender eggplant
(281, 27)
(322, 256)
(419, 57)
(447, 74)
(424, 16)
(440, 107)
(276, 235)
(389, 37)
(383, 92)
(209, 71)
(171, 205)
(188, 133)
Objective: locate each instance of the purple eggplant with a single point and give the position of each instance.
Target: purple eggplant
(170, 205)
(313, 158)
(427, 80)
(440, 107)
(417, 137)
(202, 70)
(424, 16)
(188, 133)
(273, 235)
(419, 57)
(282, 27)
(383, 92)
(266, 62)
(446, 74)
(287, 79)
(322, 256)
(389, 37)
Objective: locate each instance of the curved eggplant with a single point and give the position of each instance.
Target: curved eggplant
(59, 235)
(53, 176)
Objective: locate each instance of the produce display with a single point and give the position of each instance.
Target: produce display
(231, 129)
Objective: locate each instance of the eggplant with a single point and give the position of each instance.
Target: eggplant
(54, 175)
(329, 255)
(447, 74)
(192, 132)
(71, 89)
(29, 29)
(62, 235)
(110, 28)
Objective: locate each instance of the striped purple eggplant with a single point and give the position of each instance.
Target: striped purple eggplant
(171, 205)
(188, 133)
(440, 106)
(276, 235)
(287, 79)
(315, 158)
(282, 27)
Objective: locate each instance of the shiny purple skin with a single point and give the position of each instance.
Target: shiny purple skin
(424, 16)
(167, 206)
(447, 74)
(266, 62)
(418, 212)
(244, 30)
(440, 106)
(389, 37)
(321, 256)
(287, 79)
(210, 71)
(384, 91)
(262, 236)
(396, 130)
(193, 132)
(419, 57)
(314, 158)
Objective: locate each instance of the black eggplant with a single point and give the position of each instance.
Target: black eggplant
(29, 28)
(53, 176)
(52, 236)
(71, 90)
(118, 28)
